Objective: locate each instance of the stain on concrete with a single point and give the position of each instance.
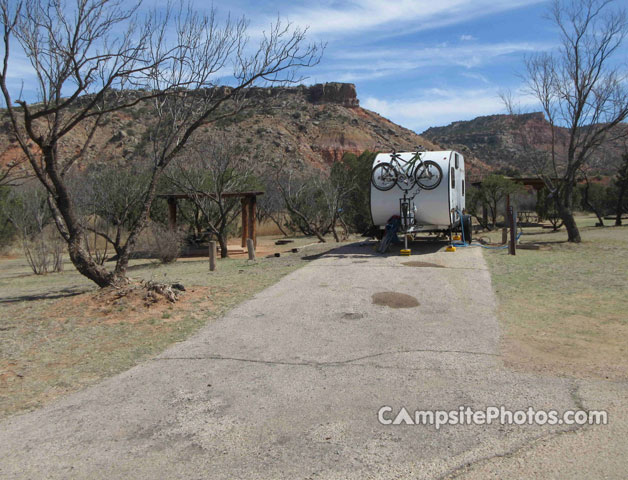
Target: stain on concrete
(416, 263)
(353, 316)
(394, 300)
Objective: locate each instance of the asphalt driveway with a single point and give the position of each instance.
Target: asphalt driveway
(289, 385)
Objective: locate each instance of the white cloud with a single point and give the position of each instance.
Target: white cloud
(476, 76)
(359, 65)
(447, 54)
(467, 38)
(437, 107)
(397, 17)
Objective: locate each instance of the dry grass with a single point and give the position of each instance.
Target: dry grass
(59, 334)
(564, 308)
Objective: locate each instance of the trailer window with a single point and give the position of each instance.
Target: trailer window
(457, 160)
(453, 178)
(462, 185)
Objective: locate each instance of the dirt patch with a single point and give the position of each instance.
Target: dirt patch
(133, 307)
(581, 347)
(395, 300)
(416, 263)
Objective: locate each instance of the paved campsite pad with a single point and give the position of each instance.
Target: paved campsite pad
(288, 385)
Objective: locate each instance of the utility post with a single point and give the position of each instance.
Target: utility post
(512, 223)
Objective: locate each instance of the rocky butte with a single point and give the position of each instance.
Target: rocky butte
(318, 124)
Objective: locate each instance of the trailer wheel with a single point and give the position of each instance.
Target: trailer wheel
(467, 230)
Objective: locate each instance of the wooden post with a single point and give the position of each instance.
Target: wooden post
(245, 223)
(252, 233)
(212, 255)
(512, 221)
(251, 248)
(172, 213)
(504, 235)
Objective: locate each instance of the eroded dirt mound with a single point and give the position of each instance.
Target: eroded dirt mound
(128, 304)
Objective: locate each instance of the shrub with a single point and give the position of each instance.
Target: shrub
(28, 211)
(164, 243)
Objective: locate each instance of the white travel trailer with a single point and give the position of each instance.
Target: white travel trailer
(436, 208)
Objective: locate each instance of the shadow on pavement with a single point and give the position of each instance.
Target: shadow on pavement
(367, 249)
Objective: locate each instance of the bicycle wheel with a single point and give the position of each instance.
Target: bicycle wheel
(428, 175)
(384, 176)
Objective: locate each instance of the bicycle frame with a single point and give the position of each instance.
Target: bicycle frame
(409, 168)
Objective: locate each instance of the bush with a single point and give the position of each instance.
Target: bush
(356, 207)
(7, 229)
(163, 242)
(44, 251)
(27, 210)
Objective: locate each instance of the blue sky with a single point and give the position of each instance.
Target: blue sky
(419, 63)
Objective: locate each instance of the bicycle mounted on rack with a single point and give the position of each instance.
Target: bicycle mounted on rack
(427, 175)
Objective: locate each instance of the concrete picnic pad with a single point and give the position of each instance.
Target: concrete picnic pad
(289, 384)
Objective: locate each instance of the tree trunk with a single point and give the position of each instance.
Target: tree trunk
(86, 265)
(333, 231)
(222, 241)
(588, 203)
(70, 227)
(573, 234)
(278, 223)
(122, 262)
(565, 210)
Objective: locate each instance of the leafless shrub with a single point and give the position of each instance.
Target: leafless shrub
(163, 243)
(28, 211)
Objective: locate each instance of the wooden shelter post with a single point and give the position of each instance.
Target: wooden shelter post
(245, 222)
(252, 200)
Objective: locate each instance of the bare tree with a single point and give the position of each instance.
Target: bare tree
(109, 204)
(271, 205)
(206, 174)
(313, 199)
(28, 211)
(621, 183)
(103, 56)
(587, 201)
(493, 190)
(582, 88)
(337, 190)
(13, 173)
(301, 197)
